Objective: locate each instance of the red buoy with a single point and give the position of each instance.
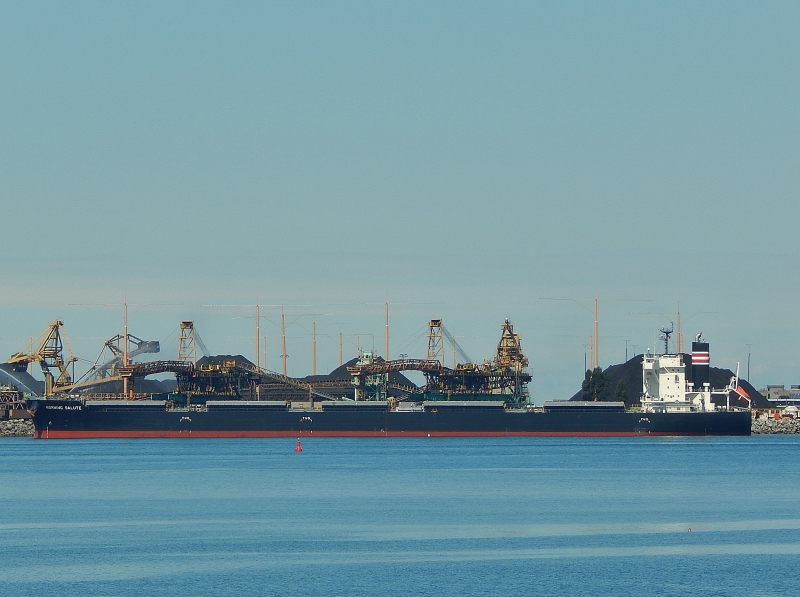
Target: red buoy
(298, 447)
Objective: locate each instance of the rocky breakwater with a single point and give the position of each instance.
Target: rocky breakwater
(764, 426)
(16, 428)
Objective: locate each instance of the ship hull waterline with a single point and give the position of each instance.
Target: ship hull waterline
(70, 419)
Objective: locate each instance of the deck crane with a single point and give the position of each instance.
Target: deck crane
(49, 354)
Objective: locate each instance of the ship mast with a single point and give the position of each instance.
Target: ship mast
(665, 334)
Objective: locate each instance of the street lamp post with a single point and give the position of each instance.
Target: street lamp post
(748, 362)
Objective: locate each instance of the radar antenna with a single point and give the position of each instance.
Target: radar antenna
(665, 334)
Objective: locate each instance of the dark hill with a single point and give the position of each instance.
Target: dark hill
(631, 373)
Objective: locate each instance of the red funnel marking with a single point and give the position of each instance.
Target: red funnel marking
(298, 447)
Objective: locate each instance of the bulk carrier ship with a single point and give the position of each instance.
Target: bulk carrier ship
(221, 397)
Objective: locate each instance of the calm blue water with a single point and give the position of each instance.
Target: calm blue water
(456, 516)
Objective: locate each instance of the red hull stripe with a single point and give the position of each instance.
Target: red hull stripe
(60, 434)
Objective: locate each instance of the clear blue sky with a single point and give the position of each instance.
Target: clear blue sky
(463, 160)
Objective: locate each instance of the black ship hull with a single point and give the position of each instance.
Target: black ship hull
(55, 419)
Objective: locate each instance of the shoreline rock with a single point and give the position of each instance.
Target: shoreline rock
(16, 428)
(764, 426)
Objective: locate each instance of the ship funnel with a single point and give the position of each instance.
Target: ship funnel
(700, 363)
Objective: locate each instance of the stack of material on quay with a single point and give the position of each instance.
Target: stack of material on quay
(16, 428)
(631, 374)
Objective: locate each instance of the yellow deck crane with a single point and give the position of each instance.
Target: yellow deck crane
(49, 354)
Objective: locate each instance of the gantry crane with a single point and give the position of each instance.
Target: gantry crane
(49, 354)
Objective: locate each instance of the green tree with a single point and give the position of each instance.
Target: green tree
(621, 393)
(595, 385)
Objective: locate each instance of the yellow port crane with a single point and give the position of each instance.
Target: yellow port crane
(49, 354)
(509, 349)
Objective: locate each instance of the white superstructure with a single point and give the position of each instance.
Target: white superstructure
(665, 388)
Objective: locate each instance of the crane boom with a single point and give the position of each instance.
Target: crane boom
(49, 354)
